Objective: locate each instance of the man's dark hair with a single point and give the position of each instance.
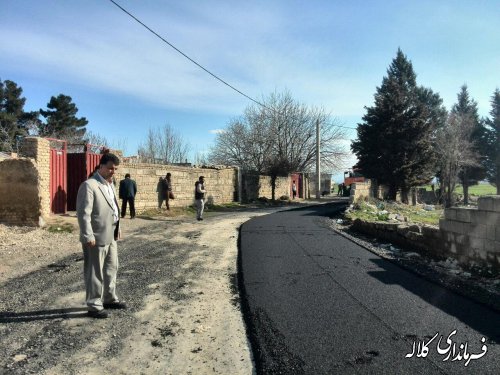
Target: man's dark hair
(127, 175)
(109, 157)
(201, 178)
(168, 174)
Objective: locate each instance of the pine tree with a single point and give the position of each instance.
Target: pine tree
(466, 108)
(394, 144)
(61, 120)
(493, 141)
(14, 121)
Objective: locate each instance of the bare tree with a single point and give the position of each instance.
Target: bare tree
(279, 138)
(456, 152)
(163, 145)
(95, 139)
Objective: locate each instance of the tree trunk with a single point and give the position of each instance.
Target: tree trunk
(414, 197)
(466, 188)
(393, 190)
(404, 195)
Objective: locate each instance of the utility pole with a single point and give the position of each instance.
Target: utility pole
(318, 175)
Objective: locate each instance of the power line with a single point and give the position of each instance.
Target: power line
(186, 56)
(197, 64)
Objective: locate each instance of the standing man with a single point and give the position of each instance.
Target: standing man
(167, 189)
(98, 218)
(294, 190)
(127, 192)
(199, 196)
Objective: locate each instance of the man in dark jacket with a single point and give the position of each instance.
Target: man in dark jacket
(127, 192)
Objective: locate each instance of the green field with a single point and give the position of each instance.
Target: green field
(477, 190)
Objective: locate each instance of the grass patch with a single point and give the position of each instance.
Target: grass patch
(478, 190)
(376, 210)
(60, 228)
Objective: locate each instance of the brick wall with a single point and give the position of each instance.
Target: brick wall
(473, 234)
(221, 184)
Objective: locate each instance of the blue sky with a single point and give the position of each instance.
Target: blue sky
(331, 54)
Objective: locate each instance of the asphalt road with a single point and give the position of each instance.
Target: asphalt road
(316, 303)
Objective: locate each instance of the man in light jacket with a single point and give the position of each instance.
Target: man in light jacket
(99, 221)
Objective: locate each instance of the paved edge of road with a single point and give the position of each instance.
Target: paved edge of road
(250, 327)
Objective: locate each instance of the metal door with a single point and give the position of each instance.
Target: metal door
(58, 181)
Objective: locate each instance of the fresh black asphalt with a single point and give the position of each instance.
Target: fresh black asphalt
(316, 303)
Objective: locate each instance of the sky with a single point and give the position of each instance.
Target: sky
(331, 54)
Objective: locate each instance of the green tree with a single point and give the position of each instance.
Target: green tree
(395, 139)
(61, 121)
(466, 108)
(14, 121)
(493, 141)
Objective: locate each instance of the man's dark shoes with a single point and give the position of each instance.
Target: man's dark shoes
(98, 314)
(115, 305)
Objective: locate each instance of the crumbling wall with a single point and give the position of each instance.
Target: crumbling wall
(20, 202)
(25, 184)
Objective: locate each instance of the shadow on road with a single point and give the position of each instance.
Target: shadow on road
(29, 316)
(475, 315)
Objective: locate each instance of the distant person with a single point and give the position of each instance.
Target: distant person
(167, 190)
(340, 189)
(199, 196)
(99, 221)
(294, 190)
(127, 192)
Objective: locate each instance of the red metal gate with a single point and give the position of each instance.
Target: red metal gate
(58, 181)
(81, 165)
(297, 177)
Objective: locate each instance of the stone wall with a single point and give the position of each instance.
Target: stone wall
(470, 235)
(473, 234)
(221, 184)
(25, 185)
(361, 190)
(423, 238)
(255, 186)
(325, 184)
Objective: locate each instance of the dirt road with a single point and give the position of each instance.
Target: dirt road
(177, 276)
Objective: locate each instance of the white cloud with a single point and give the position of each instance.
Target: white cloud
(216, 131)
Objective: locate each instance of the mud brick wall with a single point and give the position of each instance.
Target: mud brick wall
(19, 192)
(473, 235)
(221, 184)
(24, 185)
